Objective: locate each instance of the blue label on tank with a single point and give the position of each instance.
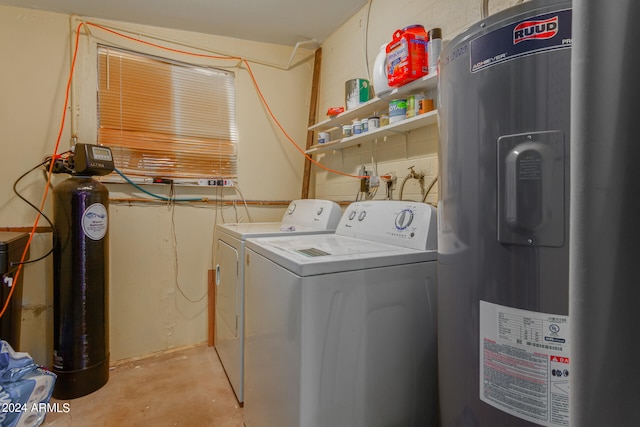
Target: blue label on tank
(526, 37)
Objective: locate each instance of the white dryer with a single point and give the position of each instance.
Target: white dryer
(305, 216)
(341, 328)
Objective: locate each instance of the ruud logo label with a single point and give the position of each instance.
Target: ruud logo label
(539, 30)
(500, 44)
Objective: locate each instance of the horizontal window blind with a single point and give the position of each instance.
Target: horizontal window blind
(163, 118)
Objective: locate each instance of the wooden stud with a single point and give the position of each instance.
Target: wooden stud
(313, 110)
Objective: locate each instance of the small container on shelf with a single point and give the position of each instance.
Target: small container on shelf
(413, 105)
(357, 127)
(373, 122)
(384, 119)
(397, 110)
(425, 105)
(323, 137)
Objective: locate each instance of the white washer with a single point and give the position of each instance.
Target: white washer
(341, 329)
(305, 216)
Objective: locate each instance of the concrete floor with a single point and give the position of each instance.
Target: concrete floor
(185, 387)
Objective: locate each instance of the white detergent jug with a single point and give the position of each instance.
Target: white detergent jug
(380, 80)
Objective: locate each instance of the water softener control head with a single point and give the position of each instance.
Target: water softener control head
(89, 159)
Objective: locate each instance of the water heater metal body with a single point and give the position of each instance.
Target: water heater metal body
(503, 241)
(80, 284)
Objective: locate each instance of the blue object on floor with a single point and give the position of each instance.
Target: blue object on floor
(25, 389)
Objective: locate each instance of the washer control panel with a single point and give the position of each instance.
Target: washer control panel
(409, 224)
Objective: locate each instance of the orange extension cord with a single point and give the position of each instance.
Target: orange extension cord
(253, 79)
(64, 115)
(46, 189)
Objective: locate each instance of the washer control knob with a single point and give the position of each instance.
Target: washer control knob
(292, 207)
(404, 219)
(320, 210)
(352, 215)
(362, 215)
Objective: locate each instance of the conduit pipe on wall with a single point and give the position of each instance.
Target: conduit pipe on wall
(484, 7)
(295, 49)
(72, 90)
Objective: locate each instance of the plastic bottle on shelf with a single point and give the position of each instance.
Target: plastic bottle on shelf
(406, 55)
(421, 38)
(380, 79)
(434, 46)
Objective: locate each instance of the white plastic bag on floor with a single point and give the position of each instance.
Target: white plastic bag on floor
(25, 389)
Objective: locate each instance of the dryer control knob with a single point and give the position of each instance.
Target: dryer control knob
(320, 210)
(362, 215)
(292, 207)
(352, 215)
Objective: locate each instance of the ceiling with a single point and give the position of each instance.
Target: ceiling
(283, 22)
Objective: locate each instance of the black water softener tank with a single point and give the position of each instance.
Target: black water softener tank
(503, 241)
(80, 280)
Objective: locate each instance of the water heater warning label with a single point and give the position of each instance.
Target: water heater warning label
(524, 363)
(94, 221)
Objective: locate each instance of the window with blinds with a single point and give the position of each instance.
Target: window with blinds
(164, 118)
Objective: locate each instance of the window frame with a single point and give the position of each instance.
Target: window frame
(82, 111)
(168, 141)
